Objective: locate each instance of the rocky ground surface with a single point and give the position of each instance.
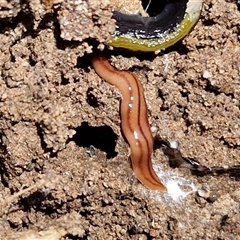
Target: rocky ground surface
(64, 165)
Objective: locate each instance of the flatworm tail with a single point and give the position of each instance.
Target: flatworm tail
(149, 34)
